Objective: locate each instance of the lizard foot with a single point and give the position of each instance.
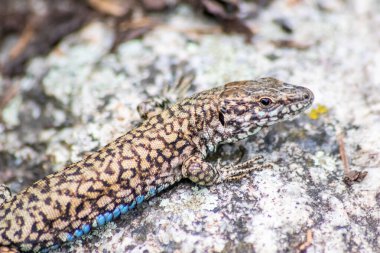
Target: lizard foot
(236, 172)
(204, 173)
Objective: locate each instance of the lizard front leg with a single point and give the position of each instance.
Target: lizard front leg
(204, 173)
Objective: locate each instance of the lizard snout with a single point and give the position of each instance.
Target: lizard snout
(307, 95)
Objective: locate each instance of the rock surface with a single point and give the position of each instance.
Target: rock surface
(80, 97)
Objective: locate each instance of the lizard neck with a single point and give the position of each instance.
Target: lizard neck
(200, 122)
(201, 128)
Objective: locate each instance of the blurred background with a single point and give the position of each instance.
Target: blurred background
(73, 72)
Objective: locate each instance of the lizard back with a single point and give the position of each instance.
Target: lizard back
(68, 203)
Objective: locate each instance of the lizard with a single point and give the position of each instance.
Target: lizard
(171, 144)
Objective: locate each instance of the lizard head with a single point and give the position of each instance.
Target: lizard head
(247, 106)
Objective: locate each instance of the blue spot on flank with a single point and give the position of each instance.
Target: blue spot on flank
(261, 114)
(140, 199)
(78, 233)
(132, 205)
(152, 191)
(86, 228)
(44, 250)
(56, 246)
(161, 188)
(70, 237)
(101, 220)
(108, 216)
(123, 209)
(116, 212)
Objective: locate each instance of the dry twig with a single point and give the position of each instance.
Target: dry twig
(290, 44)
(350, 176)
(309, 240)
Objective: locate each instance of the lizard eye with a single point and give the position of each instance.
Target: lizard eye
(265, 101)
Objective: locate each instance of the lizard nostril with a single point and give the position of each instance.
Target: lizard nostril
(306, 96)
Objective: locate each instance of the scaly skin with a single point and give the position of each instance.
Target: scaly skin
(168, 146)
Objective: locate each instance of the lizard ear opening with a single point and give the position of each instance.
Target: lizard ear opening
(222, 111)
(221, 118)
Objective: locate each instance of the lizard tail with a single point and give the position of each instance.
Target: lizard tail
(5, 194)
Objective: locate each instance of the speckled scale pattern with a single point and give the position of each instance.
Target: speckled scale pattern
(169, 145)
(120, 173)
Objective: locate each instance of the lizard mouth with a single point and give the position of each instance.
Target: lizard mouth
(291, 107)
(305, 100)
(296, 104)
